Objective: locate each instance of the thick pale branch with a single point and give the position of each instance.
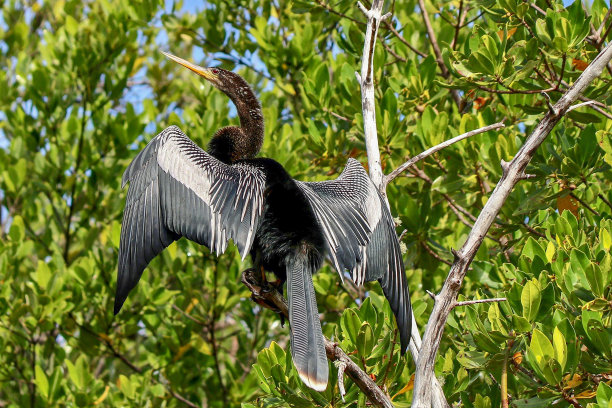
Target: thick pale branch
(367, 91)
(437, 148)
(513, 173)
(371, 140)
(269, 297)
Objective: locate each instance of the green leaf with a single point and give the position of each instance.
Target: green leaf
(540, 344)
(75, 371)
(41, 381)
(126, 386)
(532, 249)
(520, 324)
(17, 230)
(560, 348)
(350, 324)
(604, 395)
(541, 357)
(365, 340)
(43, 274)
(530, 299)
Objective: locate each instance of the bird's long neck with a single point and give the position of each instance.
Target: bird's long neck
(235, 143)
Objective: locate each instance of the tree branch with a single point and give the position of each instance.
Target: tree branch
(473, 302)
(366, 81)
(436, 148)
(376, 175)
(436, 48)
(513, 172)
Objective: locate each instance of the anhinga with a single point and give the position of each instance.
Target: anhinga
(287, 226)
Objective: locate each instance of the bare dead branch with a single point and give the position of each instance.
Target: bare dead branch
(445, 300)
(580, 105)
(437, 148)
(341, 366)
(366, 81)
(473, 302)
(367, 92)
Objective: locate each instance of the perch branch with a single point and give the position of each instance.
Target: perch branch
(432, 150)
(366, 81)
(268, 296)
(367, 92)
(513, 173)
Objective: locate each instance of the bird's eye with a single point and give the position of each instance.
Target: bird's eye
(215, 71)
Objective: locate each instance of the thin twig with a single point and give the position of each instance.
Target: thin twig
(390, 51)
(434, 43)
(336, 12)
(605, 200)
(389, 26)
(460, 19)
(585, 205)
(580, 105)
(473, 302)
(605, 34)
(604, 21)
(432, 39)
(533, 231)
(433, 253)
(560, 78)
(536, 8)
(437, 148)
(335, 115)
(190, 317)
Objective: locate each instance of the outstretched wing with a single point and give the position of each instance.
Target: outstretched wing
(178, 190)
(361, 237)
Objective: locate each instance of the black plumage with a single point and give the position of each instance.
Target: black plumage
(287, 226)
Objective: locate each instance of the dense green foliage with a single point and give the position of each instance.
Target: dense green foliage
(82, 89)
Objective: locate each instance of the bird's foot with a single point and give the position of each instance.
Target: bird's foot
(276, 285)
(264, 293)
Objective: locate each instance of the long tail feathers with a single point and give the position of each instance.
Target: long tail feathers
(307, 347)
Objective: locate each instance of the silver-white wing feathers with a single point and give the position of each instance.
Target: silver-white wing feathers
(361, 238)
(177, 189)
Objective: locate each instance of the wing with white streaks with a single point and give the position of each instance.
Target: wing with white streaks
(361, 238)
(178, 190)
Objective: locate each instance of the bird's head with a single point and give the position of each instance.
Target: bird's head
(230, 83)
(246, 140)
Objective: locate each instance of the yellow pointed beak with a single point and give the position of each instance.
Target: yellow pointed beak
(206, 73)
